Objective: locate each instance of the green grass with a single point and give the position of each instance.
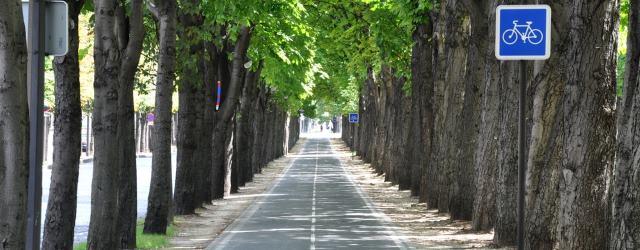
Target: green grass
(80, 246)
(144, 241)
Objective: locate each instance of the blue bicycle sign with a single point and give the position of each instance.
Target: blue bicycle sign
(354, 118)
(523, 32)
(533, 36)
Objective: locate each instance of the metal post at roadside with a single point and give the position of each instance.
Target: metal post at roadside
(35, 83)
(521, 152)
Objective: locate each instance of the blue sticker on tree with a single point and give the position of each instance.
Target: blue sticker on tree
(523, 32)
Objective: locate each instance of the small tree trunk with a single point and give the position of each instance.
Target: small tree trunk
(625, 230)
(422, 104)
(160, 197)
(589, 129)
(45, 134)
(228, 160)
(88, 135)
(244, 134)
(456, 52)
(186, 175)
(137, 134)
(14, 129)
(61, 208)
(117, 54)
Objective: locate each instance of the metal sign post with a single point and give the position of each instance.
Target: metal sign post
(35, 83)
(523, 32)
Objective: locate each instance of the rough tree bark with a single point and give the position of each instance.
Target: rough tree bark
(589, 126)
(380, 94)
(506, 172)
(456, 52)
(61, 208)
(574, 133)
(463, 188)
(486, 147)
(625, 230)
(186, 173)
(431, 184)
(160, 197)
(259, 109)
(117, 47)
(422, 102)
(186, 193)
(205, 120)
(406, 162)
(244, 135)
(14, 127)
(128, 198)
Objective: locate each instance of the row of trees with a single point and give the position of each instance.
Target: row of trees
(259, 51)
(448, 131)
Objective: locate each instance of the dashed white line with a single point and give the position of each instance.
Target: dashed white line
(313, 201)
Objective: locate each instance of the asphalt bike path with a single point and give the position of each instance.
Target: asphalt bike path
(314, 205)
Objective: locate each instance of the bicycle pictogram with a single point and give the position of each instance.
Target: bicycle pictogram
(533, 36)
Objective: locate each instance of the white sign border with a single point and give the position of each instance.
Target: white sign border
(547, 52)
(357, 115)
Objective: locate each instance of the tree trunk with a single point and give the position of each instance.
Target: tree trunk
(117, 50)
(505, 190)
(544, 160)
(160, 196)
(405, 162)
(89, 135)
(589, 126)
(464, 187)
(244, 135)
(14, 127)
(138, 128)
(431, 184)
(422, 102)
(103, 232)
(186, 173)
(456, 52)
(571, 151)
(128, 199)
(223, 129)
(258, 130)
(45, 137)
(205, 121)
(625, 230)
(228, 159)
(187, 195)
(61, 208)
(380, 97)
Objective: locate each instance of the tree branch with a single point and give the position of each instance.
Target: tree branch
(136, 37)
(153, 8)
(239, 54)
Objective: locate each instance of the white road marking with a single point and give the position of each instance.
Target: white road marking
(313, 201)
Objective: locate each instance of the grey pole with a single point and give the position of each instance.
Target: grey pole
(35, 82)
(521, 153)
(521, 150)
